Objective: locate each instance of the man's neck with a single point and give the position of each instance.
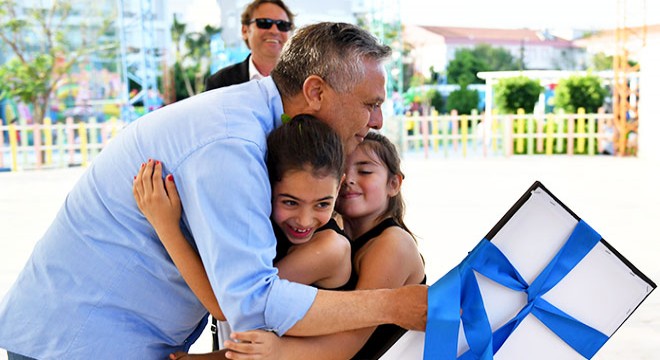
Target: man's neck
(295, 105)
(263, 66)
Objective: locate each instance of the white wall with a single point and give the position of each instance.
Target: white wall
(649, 113)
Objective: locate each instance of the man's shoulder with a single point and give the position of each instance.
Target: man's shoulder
(229, 75)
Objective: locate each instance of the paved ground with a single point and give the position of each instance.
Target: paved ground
(452, 204)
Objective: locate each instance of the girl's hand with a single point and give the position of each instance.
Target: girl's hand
(253, 345)
(157, 199)
(217, 355)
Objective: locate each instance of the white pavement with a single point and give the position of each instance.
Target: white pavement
(452, 204)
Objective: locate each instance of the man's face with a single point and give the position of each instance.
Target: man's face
(352, 114)
(266, 43)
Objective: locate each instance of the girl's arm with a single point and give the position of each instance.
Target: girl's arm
(388, 261)
(161, 205)
(324, 261)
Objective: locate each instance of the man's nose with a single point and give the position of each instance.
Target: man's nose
(376, 119)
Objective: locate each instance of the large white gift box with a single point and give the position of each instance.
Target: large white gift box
(541, 285)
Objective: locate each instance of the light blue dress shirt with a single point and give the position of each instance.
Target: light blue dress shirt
(99, 284)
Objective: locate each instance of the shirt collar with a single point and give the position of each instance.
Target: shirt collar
(253, 72)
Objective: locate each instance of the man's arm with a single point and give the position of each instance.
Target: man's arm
(349, 310)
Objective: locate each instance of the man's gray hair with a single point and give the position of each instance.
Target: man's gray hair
(333, 51)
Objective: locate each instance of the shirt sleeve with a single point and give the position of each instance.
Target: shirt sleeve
(225, 194)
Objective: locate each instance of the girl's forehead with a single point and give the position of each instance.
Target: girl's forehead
(364, 155)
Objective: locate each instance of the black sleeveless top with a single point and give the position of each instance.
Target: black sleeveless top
(283, 244)
(385, 335)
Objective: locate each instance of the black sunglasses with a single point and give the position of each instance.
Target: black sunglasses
(265, 23)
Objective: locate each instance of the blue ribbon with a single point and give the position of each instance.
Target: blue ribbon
(457, 296)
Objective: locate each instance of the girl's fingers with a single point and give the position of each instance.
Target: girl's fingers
(147, 182)
(171, 190)
(157, 175)
(138, 188)
(249, 336)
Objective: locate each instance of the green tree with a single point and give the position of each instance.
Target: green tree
(495, 58)
(192, 51)
(463, 100)
(464, 67)
(516, 93)
(601, 62)
(46, 45)
(435, 99)
(576, 92)
(467, 63)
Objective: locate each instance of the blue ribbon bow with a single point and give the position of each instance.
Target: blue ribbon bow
(458, 291)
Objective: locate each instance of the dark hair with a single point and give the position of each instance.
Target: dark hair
(382, 147)
(246, 16)
(304, 143)
(334, 51)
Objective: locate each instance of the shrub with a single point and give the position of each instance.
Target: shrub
(516, 93)
(580, 92)
(463, 100)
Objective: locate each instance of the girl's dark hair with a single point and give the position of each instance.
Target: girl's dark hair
(304, 143)
(386, 152)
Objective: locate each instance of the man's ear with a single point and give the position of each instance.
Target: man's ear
(244, 34)
(394, 185)
(314, 90)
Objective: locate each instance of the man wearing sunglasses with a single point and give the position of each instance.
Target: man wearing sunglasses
(266, 27)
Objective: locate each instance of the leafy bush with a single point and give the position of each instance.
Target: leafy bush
(463, 100)
(580, 92)
(436, 100)
(516, 93)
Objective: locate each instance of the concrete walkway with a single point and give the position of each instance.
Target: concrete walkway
(452, 204)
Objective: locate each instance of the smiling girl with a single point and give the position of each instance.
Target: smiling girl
(311, 249)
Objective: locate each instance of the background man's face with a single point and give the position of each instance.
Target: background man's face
(266, 43)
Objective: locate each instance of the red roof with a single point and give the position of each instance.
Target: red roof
(461, 35)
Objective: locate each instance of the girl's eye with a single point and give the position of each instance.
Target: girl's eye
(364, 172)
(324, 205)
(289, 203)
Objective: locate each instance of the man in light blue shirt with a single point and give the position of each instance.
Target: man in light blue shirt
(99, 284)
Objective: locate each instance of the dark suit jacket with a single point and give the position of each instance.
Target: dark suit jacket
(230, 75)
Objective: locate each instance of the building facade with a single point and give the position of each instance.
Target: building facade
(436, 46)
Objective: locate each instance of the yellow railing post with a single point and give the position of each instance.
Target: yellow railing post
(591, 133)
(464, 134)
(520, 131)
(549, 133)
(13, 146)
(581, 131)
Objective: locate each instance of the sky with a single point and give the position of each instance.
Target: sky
(535, 14)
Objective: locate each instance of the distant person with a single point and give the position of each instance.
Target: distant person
(266, 25)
